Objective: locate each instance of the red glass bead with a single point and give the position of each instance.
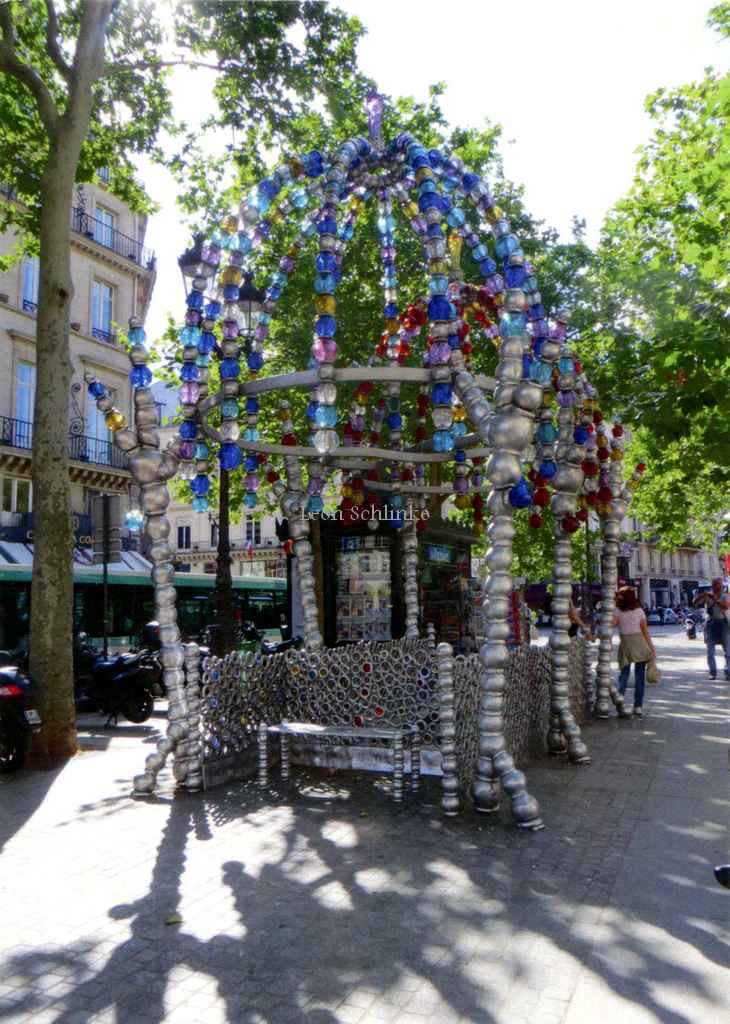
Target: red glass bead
(289, 439)
(535, 520)
(569, 524)
(598, 416)
(605, 494)
(617, 430)
(541, 497)
(592, 499)
(272, 476)
(603, 454)
(582, 514)
(589, 468)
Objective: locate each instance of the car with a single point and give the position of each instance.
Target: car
(670, 617)
(654, 618)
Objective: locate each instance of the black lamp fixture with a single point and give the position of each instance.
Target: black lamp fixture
(250, 301)
(191, 262)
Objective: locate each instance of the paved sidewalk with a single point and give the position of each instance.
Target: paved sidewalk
(327, 904)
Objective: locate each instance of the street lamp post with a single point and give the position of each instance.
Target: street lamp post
(250, 300)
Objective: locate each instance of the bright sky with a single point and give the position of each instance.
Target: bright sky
(566, 79)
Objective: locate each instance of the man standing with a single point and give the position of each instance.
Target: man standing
(716, 630)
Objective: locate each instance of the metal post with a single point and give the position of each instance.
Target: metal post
(222, 633)
(105, 572)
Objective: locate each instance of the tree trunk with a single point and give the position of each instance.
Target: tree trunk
(51, 620)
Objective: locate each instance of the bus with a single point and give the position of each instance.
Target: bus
(259, 599)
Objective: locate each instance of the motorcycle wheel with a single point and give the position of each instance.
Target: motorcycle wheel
(12, 750)
(138, 706)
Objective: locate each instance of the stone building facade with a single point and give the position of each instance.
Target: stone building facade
(113, 276)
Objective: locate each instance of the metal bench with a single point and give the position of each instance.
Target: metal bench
(398, 738)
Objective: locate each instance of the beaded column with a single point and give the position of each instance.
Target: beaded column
(508, 432)
(194, 774)
(449, 772)
(564, 731)
(611, 522)
(410, 547)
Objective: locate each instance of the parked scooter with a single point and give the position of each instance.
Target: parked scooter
(114, 686)
(255, 637)
(18, 718)
(690, 625)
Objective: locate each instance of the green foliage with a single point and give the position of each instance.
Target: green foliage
(654, 321)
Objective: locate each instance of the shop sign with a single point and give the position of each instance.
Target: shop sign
(442, 553)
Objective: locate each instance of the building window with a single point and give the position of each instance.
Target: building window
(96, 427)
(29, 273)
(253, 530)
(104, 227)
(102, 306)
(15, 494)
(25, 398)
(183, 538)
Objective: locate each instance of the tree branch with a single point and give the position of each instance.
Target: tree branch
(54, 49)
(11, 64)
(147, 65)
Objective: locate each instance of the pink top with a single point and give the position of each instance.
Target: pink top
(630, 622)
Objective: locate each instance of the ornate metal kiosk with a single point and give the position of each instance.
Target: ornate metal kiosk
(529, 436)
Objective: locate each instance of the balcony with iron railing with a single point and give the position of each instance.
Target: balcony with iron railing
(15, 433)
(109, 238)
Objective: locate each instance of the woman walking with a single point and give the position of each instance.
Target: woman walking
(635, 644)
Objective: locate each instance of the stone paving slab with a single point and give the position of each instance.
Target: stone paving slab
(323, 902)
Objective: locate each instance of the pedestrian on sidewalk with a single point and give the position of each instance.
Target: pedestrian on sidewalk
(635, 644)
(717, 630)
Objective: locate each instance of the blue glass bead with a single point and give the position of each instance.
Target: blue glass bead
(566, 364)
(97, 389)
(459, 428)
(537, 346)
(439, 308)
(325, 262)
(460, 455)
(448, 184)
(230, 292)
(202, 361)
(395, 421)
(244, 243)
(229, 408)
(273, 293)
(229, 368)
(398, 520)
(580, 435)
(202, 451)
(195, 300)
(487, 268)
(537, 312)
(546, 433)
(252, 405)
(530, 284)
(315, 504)
(190, 335)
(324, 284)
(188, 430)
(547, 468)
(505, 245)
(434, 231)
(279, 278)
(438, 284)
(252, 463)
(325, 416)
(250, 500)
(436, 157)
(513, 324)
(267, 187)
(298, 198)
(327, 226)
(390, 310)
(212, 310)
(325, 326)
(456, 218)
(254, 361)
(140, 376)
(206, 342)
(396, 501)
(137, 335)
(454, 341)
(479, 253)
(443, 441)
(441, 394)
(199, 504)
(520, 496)
(427, 185)
(252, 434)
(515, 276)
(469, 181)
(229, 456)
(311, 409)
(446, 205)
(429, 201)
(347, 232)
(526, 365)
(200, 484)
(188, 371)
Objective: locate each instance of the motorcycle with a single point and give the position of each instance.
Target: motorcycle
(18, 719)
(254, 639)
(114, 686)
